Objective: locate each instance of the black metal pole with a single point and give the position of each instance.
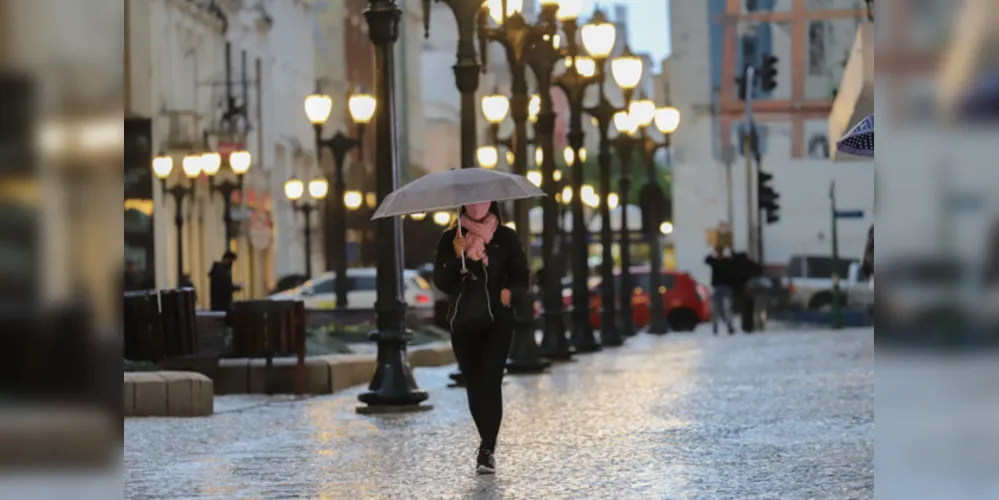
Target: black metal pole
(392, 386)
(604, 114)
(307, 215)
(554, 343)
(525, 354)
(339, 223)
(624, 149)
(657, 322)
(178, 193)
(336, 252)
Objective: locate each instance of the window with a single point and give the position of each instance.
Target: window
(817, 48)
(324, 286)
(818, 147)
(817, 267)
(361, 283)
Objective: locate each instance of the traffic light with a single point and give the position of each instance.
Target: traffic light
(768, 74)
(769, 200)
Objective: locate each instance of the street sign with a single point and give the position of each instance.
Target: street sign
(849, 214)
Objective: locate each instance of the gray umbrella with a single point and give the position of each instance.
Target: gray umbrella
(454, 188)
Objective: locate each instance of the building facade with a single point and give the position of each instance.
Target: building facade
(812, 40)
(178, 93)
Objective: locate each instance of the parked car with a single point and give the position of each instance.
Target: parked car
(320, 292)
(686, 302)
(288, 282)
(810, 280)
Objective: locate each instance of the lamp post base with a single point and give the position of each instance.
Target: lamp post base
(525, 355)
(554, 343)
(583, 340)
(392, 388)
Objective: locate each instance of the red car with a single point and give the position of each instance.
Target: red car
(686, 302)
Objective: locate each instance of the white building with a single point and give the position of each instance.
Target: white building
(812, 47)
(176, 72)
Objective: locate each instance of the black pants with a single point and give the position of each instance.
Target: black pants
(481, 355)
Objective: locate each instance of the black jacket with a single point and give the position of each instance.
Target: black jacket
(474, 295)
(722, 270)
(220, 281)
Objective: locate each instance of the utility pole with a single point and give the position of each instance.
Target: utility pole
(749, 74)
(837, 303)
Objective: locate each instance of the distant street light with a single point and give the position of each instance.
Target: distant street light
(294, 190)
(192, 166)
(534, 176)
(488, 156)
(666, 228)
(442, 218)
(353, 200)
(318, 108)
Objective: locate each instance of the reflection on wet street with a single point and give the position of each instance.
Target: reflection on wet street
(774, 415)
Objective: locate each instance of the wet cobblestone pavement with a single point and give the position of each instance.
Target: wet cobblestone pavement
(779, 415)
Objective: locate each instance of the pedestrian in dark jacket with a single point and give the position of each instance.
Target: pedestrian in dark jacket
(867, 265)
(722, 283)
(483, 269)
(220, 283)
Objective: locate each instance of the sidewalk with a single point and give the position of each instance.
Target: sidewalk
(774, 415)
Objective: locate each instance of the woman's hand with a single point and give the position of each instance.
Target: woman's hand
(459, 246)
(505, 297)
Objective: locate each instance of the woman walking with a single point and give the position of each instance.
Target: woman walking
(482, 268)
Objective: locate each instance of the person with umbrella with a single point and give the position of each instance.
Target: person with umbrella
(482, 268)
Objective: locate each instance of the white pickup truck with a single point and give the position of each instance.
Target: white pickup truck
(810, 280)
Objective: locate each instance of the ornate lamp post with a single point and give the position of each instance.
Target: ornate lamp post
(466, 68)
(294, 189)
(317, 109)
(580, 73)
(667, 119)
(392, 386)
(518, 38)
(598, 38)
(627, 72)
(162, 168)
(625, 144)
(238, 163)
(542, 59)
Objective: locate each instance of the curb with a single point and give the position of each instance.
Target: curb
(168, 394)
(322, 374)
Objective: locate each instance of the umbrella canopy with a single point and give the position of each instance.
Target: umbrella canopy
(860, 139)
(454, 188)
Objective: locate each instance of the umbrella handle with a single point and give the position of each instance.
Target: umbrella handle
(463, 268)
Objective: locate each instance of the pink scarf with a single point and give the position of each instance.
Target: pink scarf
(478, 235)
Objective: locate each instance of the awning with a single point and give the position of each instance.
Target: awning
(855, 99)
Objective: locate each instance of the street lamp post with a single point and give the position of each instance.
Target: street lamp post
(317, 109)
(162, 168)
(666, 119)
(598, 39)
(294, 189)
(518, 38)
(466, 68)
(627, 72)
(625, 144)
(392, 386)
(542, 59)
(239, 163)
(579, 75)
